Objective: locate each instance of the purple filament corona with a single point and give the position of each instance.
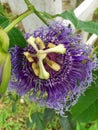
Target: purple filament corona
(63, 88)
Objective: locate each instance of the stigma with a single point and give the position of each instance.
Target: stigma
(42, 56)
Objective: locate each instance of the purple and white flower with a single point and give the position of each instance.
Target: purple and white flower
(54, 69)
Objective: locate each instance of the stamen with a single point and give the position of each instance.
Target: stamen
(35, 68)
(40, 43)
(43, 73)
(31, 41)
(58, 49)
(52, 64)
(41, 54)
(51, 45)
(28, 56)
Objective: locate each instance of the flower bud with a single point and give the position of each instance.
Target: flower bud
(4, 41)
(5, 70)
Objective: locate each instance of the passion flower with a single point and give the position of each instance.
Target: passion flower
(54, 69)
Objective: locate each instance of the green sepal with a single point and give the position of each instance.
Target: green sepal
(4, 41)
(5, 71)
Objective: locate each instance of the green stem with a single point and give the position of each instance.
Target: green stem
(17, 20)
(31, 6)
(40, 16)
(27, 2)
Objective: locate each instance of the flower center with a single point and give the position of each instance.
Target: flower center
(39, 68)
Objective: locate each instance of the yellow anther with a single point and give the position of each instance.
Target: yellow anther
(51, 45)
(31, 41)
(28, 56)
(43, 74)
(52, 64)
(35, 68)
(40, 43)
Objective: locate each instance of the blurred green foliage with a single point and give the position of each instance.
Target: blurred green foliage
(26, 115)
(15, 115)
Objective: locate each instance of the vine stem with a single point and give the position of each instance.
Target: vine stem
(31, 6)
(17, 20)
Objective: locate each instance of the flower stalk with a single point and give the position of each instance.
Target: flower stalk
(17, 20)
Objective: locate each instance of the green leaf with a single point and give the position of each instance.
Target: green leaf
(37, 118)
(29, 124)
(66, 123)
(87, 107)
(88, 26)
(70, 16)
(14, 107)
(87, 126)
(3, 21)
(48, 115)
(15, 35)
(16, 38)
(80, 127)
